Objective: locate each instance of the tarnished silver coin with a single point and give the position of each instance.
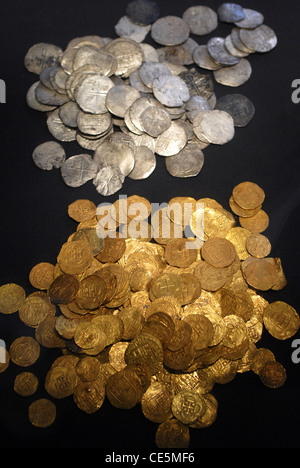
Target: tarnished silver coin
(149, 71)
(170, 31)
(236, 75)
(32, 101)
(214, 126)
(171, 91)
(144, 163)
(143, 12)
(171, 141)
(196, 104)
(236, 41)
(42, 55)
(136, 82)
(78, 169)
(49, 96)
(198, 83)
(155, 120)
(108, 180)
(230, 12)
(203, 59)
(232, 49)
(68, 113)
(201, 19)
(49, 155)
(58, 129)
(216, 49)
(93, 124)
(126, 28)
(261, 39)
(119, 99)
(116, 154)
(92, 93)
(238, 106)
(128, 55)
(187, 163)
(251, 20)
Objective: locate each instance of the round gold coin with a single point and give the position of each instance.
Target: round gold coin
(41, 275)
(25, 384)
(257, 223)
(42, 413)
(24, 351)
(272, 374)
(12, 297)
(188, 406)
(248, 195)
(172, 434)
(281, 320)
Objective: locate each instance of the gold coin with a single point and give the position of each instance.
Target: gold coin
(116, 355)
(238, 237)
(63, 289)
(248, 195)
(42, 413)
(210, 414)
(257, 223)
(88, 335)
(89, 395)
(82, 210)
(241, 211)
(46, 335)
(75, 257)
(35, 309)
(180, 253)
(260, 274)
(188, 406)
(272, 374)
(60, 381)
(156, 402)
(26, 384)
(123, 388)
(41, 275)
(145, 349)
(218, 252)
(202, 330)
(172, 434)
(133, 320)
(281, 320)
(211, 278)
(91, 293)
(258, 245)
(12, 297)
(24, 351)
(259, 358)
(113, 249)
(88, 368)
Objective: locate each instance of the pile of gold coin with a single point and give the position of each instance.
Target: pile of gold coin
(153, 321)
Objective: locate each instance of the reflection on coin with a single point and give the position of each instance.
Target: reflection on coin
(203, 59)
(236, 75)
(252, 19)
(218, 52)
(171, 90)
(230, 12)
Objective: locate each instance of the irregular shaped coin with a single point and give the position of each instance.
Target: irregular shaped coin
(49, 155)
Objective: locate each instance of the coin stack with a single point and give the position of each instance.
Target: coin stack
(152, 320)
(126, 102)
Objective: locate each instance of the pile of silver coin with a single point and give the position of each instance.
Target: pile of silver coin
(126, 101)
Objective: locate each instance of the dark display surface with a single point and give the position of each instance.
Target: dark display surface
(35, 223)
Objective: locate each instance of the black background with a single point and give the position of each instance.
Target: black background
(34, 221)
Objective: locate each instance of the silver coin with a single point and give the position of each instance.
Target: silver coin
(78, 169)
(214, 126)
(32, 101)
(238, 106)
(149, 71)
(49, 155)
(119, 99)
(108, 180)
(42, 55)
(155, 120)
(136, 82)
(126, 28)
(49, 96)
(229, 45)
(68, 113)
(58, 129)
(45, 76)
(171, 90)
(194, 105)
(93, 124)
(216, 49)
(261, 39)
(201, 19)
(198, 83)
(187, 163)
(144, 165)
(115, 153)
(235, 37)
(230, 12)
(149, 52)
(236, 75)
(143, 11)
(170, 30)
(203, 59)
(251, 20)
(171, 141)
(92, 93)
